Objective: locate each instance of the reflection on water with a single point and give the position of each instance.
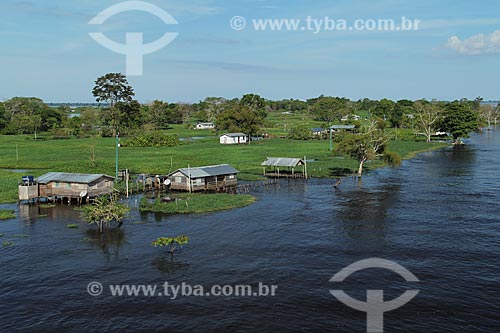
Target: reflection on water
(363, 211)
(437, 215)
(109, 242)
(167, 264)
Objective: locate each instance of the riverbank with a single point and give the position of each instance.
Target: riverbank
(73, 155)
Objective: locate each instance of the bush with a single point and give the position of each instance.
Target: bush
(392, 158)
(152, 139)
(300, 133)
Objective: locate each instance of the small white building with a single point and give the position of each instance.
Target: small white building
(202, 126)
(354, 117)
(233, 139)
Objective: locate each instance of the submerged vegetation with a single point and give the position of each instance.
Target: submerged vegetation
(47, 205)
(197, 203)
(7, 214)
(104, 211)
(171, 243)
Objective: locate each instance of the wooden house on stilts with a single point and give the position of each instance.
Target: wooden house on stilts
(65, 187)
(207, 178)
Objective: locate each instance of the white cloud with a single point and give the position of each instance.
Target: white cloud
(476, 45)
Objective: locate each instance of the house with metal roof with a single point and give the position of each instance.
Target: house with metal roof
(342, 127)
(205, 178)
(61, 185)
(285, 167)
(74, 185)
(233, 139)
(318, 131)
(201, 126)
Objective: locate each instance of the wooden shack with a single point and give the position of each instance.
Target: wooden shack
(206, 178)
(282, 167)
(74, 185)
(60, 185)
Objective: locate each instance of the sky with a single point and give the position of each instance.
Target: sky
(47, 52)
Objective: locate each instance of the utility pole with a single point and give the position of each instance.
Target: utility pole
(117, 146)
(331, 136)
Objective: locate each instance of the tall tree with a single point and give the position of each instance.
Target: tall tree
(3, 117)
(330, 109)
(427, 116)
(369, 144)
(402, 108)
(384, 108)
(460, 119)
(489, 114)
(29, 115)
(255, 103)
(240, 119)
(210, 108)
(113, 88)
(129, 114)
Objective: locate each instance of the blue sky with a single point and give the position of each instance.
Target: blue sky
(47, 51)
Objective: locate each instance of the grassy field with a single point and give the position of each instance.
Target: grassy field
(73, 155)
(198, 203)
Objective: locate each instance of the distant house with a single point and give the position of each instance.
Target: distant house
(202, 126)
(354, 117)
(67, 185)
(207, 178)
(335, 128)
(233, 139)
(318, 131)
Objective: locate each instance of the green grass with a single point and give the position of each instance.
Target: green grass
(198, 203)
(7, 214)
(72, 226)
(72, 155)
(183, 132)
(279, 124)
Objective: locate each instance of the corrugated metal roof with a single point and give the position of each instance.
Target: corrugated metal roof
(283, 162)
(343, 127)
(232, 135)
(70, 177)
(208, 171)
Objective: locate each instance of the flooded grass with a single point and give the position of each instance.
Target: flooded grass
(66, 156)
(7, 214)
(47, 205)
(197, 203)
(7, 244)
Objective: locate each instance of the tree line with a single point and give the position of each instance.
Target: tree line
(121, 113)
